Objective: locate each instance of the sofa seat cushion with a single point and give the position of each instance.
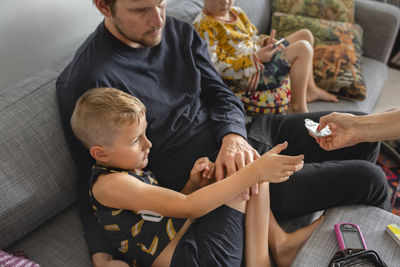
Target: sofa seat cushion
(37, 174)
(375, 74)
(59, 242)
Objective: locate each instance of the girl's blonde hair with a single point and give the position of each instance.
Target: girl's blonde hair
(100, 112)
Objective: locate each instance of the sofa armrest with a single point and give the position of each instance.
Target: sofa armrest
(380, 23)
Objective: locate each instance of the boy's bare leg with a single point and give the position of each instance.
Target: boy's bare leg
(313, 91)
(257, 219)
(102, 259)
(284, 246)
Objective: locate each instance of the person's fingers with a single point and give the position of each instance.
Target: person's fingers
(283, 179)
(278, 148)
(219, 170)
(240, 160)
(255, 154)
(272, 35)
(269, 47)
(210, 171)
(248, 157)
(246, 194)
(230, 167)
(254, 189)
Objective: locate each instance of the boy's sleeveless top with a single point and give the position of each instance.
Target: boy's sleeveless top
(141, 241)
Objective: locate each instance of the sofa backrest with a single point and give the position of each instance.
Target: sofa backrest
(37, 174)
(258, 10)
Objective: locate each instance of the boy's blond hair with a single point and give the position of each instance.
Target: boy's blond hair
(100, 112)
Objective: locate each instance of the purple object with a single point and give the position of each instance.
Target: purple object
(9, 260)
(348, 235)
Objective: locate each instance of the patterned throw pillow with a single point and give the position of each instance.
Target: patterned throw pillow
(337, 10)
(337, 52)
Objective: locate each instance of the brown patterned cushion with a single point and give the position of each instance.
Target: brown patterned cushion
(337, 10)
(337, 52)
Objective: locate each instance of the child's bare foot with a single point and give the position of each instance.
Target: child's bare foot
(316, 93)
(285, 252)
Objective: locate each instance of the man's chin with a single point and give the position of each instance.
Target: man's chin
(152, 41)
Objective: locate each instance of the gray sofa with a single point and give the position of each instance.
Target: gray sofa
(38, 183)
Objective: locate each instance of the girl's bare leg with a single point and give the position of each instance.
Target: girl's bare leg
(257, 220)
(313, 91)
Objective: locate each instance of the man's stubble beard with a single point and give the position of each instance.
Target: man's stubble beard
(141, 41)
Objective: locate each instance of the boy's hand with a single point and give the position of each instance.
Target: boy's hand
(277, 168)
(202, 172)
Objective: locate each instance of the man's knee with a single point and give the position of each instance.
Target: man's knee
(375, 182)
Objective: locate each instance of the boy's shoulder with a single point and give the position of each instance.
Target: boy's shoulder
(144, 175)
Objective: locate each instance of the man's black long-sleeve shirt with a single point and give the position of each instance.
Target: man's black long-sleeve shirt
(187, 102)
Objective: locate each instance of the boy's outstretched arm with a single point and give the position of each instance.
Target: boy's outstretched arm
(120, 191)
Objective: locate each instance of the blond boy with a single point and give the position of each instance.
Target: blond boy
(152, 225)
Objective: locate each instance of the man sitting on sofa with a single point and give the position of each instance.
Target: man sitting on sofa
(191, 113)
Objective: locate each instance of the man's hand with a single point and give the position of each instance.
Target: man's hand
(235, 153)
(344, 132)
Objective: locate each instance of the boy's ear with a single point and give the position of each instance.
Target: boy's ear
(103, 8)
(98, 153)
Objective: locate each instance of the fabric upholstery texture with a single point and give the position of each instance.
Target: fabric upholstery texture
(37, 175)
(337, 10)
(378, 37)
(337, 52)
(59, 242)
(375, 73)
(372, 221)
